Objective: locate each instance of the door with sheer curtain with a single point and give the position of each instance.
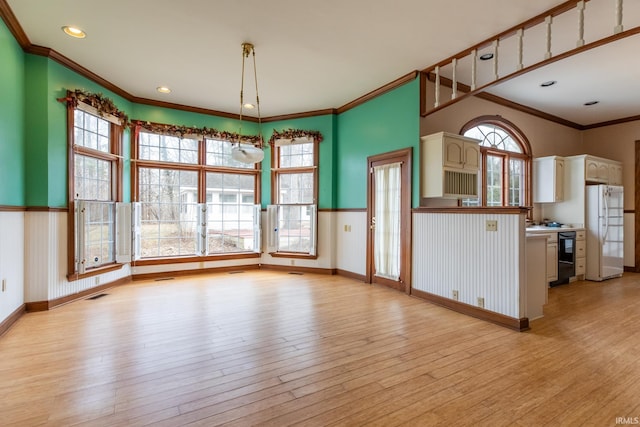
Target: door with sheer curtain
(388, 215)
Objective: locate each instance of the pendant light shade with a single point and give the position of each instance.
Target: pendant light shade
(247, 153)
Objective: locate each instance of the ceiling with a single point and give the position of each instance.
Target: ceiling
(317, 55)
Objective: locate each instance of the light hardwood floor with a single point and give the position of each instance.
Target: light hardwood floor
(278, 349)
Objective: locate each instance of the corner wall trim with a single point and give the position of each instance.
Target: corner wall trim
(6, 324)
(477, 312)
(48, 305)
(351, 275)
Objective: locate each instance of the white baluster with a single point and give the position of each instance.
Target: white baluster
(495, 58)
(580, 7)
(548, 20)
(474, 59)
(454, 83)
(437, 103)
(520, 35)
(618, 28)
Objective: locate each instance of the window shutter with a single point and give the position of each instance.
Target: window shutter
(257, 229)
(136, 230)
(201, 230)
(313, 213)
(123, 232)
(272, 228)
(80, 236)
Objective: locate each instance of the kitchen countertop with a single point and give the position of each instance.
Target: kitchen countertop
(544, 229)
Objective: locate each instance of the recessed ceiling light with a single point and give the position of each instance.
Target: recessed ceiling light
(163, 89)
(74, 32)
(548, 83)
(249, 106)
(486, 56)
(591, 103)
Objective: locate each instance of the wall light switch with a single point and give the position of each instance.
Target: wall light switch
(492, 225)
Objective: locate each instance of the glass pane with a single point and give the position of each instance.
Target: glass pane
(92, 178)
(494, 181)
(516, 182)
(91, 131)
(495, 137)
(168, 212)
(295, 188)
(229, 225)
(296, 155)
(294, 227)
(219, 154)
(99, 233)
(166, 148)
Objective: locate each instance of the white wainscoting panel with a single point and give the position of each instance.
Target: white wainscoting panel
(629, 240)
(11, 262)
(351, 242)
(46, 260)
(456, 252)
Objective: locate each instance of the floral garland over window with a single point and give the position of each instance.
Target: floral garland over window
(102, 104)
(182, 131)
(295, 133)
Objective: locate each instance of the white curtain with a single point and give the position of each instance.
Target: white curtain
(387, 221)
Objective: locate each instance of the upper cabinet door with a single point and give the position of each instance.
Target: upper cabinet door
(471, 156)
(453, 153)
(591, 170)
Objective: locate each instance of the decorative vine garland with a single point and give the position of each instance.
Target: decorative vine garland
(182, 131)
(101, 103)
(104, 106)
(296, 133)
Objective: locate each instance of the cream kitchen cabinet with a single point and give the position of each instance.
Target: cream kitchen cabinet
(450, 165)
(548, 177)
(581, 254)
(552, 257)
(603, 171)
(615, 173)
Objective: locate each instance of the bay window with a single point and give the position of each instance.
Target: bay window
(192, 198)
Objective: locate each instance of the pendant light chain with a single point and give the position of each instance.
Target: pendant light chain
(255, 77)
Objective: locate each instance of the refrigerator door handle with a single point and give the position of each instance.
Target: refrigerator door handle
(606, 217)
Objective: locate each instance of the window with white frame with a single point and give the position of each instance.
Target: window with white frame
(193, 198)
(94, 173)
(506, 163)
(294, 192)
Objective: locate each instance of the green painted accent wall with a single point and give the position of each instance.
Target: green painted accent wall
(46, 129)
(326, 158)
(12, 147)
(386, 123)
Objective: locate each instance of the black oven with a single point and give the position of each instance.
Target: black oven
(566, 257)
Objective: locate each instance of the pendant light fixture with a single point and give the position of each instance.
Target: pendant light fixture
(248, 150)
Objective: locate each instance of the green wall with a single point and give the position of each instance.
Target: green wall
(386, 123)
(12, 149)
(46, 129)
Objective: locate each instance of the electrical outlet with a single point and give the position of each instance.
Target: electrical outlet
(492, 225)
(97, 280)
(4, 285)
(293, 262)
(480, 302)
(455, 295)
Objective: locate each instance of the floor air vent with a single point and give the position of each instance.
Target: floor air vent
(296, 272)
(160, 279)
(98, 296)
(236, 272)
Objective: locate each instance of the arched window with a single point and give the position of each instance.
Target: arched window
(506, 162)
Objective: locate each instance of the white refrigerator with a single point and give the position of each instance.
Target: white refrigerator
(605, 233)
